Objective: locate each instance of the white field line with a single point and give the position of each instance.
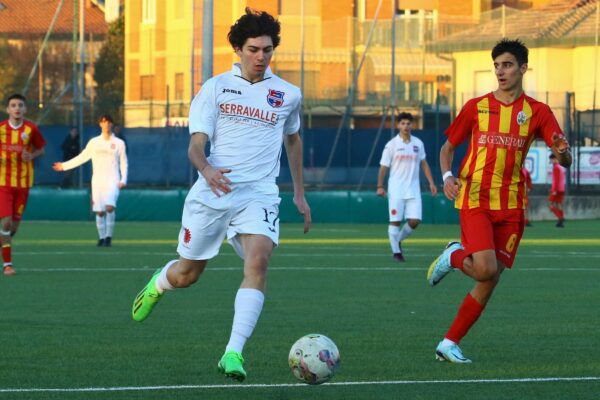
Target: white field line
(412, 254)
(281, 385)
(275, 269)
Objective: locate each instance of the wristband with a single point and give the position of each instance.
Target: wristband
(446, 175)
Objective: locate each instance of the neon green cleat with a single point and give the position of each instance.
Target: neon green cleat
(146, 300)
(232, 365)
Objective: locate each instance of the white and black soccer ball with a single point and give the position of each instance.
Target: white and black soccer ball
(314, 359)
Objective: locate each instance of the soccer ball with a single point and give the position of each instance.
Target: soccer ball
(314, 359)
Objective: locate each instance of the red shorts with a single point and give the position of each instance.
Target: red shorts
(13, 202)
(556, 198)
(499, 230)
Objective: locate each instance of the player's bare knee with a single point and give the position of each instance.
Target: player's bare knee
(110, 209)
(413, 223)
(484, 272)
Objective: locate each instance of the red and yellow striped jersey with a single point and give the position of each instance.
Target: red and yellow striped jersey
(14, 172)
(500, 136)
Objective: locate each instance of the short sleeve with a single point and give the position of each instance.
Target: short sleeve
(292, 123)
(203, 110)
(548, 125)
(386, 155)
(37, 138)
(422, 154)
(462, 126)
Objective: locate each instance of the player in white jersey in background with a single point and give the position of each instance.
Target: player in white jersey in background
(246, 114)
(402, 156)
(109, 175)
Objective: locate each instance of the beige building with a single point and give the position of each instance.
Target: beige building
(161, 71)
(563, 57)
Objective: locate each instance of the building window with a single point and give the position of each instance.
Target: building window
(149, 11)
(179, 86)
(146, 87)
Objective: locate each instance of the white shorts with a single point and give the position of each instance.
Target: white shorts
(400, 209)
(250, 208)
(103, 196)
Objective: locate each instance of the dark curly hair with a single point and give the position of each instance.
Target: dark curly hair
(251, 25)
(515, 47)
(405, 115)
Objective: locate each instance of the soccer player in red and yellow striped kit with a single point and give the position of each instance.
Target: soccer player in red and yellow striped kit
(20, 143)
(489, 190)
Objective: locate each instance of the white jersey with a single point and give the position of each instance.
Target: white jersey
(109, 161)
(404, 161)
(245, 122)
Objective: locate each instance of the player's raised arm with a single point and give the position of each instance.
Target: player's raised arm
(293, 147)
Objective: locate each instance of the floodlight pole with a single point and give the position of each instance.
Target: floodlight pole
(207, 40)
(393, 77)
(302, 67)
(81, 89)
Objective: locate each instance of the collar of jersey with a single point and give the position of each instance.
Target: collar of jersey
(18, 126)
(237, 71)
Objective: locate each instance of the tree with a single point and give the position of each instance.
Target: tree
(109, 71)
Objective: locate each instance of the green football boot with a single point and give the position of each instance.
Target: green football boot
(146, 300)
(232, 365)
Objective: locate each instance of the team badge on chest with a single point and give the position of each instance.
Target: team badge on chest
(275, 98)
(521, 117)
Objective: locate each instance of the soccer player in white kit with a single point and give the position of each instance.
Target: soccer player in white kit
(109, 175)
(246, 114)
(402, 156)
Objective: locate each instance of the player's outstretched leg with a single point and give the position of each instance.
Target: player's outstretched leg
(232, 365)
(440, 267)
(146, 300)
(450, 352)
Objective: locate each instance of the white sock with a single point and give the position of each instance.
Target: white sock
(394, 235)
(248, 305)
(101, 225)
(405, 232)
(162, 282)
(110, 223)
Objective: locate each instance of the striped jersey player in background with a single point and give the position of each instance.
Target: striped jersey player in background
(21, 142)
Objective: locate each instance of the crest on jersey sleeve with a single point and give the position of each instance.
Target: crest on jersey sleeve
(275, 98)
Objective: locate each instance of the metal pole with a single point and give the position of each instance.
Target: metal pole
(595, 71)
(81, 91)
(302, 66)
(393, 77)
(192, 66)
(192, 170)
(207, 40)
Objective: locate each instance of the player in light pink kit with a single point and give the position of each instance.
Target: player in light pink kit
(246, 114)
(403, 155)
(557, 191)
(109, 176)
